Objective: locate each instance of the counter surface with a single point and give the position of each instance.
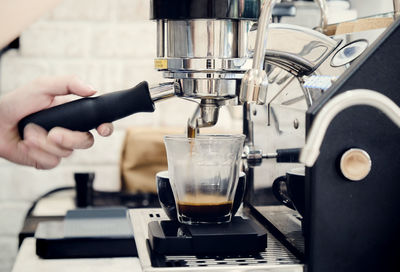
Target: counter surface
(27, 260)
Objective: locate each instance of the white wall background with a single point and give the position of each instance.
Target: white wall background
(371, 7)
(111, 45)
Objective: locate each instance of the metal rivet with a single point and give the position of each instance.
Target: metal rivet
(296, 123)
(355, 164)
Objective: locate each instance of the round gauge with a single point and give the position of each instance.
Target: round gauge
(349, 52)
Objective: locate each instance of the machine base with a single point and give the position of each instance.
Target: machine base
(275, 257)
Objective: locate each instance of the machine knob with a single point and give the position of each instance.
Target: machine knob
(355, 164)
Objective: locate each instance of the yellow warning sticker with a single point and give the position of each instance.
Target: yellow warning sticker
(160, 63)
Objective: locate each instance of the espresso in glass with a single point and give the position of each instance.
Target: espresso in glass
(204, 173)
(205, 208)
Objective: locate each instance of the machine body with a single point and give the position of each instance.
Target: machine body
(353, 225)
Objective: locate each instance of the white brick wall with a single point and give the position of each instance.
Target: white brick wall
(122, 40)
(88, 10)
(17, 70)
(56, 39)
(370, 7)
(8, 245)
(12, 214)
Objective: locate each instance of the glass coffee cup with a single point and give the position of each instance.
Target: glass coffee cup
(203, 173)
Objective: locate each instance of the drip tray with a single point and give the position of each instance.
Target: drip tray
(275, 256)
(238, 236)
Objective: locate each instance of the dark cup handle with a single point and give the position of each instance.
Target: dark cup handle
(281, 195)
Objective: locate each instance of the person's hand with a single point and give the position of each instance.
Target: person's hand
(42, 149)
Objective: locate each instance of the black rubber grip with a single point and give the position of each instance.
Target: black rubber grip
(288, 155)
(88, 113)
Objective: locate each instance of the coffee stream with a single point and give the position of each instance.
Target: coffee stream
(191, 134)
(191, 131)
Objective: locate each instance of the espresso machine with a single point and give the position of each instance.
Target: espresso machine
(346, 226)
(223, 53)
(228, 53)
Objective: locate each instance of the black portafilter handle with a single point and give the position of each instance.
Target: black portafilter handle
(90, 112)
(288, 155)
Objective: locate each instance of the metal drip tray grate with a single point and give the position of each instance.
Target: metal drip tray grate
(276, 257)
(263, 258)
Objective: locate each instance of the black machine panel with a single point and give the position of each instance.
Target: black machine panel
(215, 9)
(354, 226)
(205, 9)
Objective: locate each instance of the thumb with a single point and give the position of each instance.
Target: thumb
(39, 95)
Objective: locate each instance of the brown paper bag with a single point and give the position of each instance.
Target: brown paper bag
(359, 25)
(143, 155)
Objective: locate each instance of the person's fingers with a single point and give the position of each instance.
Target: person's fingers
(40, 94)
(70, 139)
(105, 129)
(36, 136)
(41, 159)
(63, 85)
